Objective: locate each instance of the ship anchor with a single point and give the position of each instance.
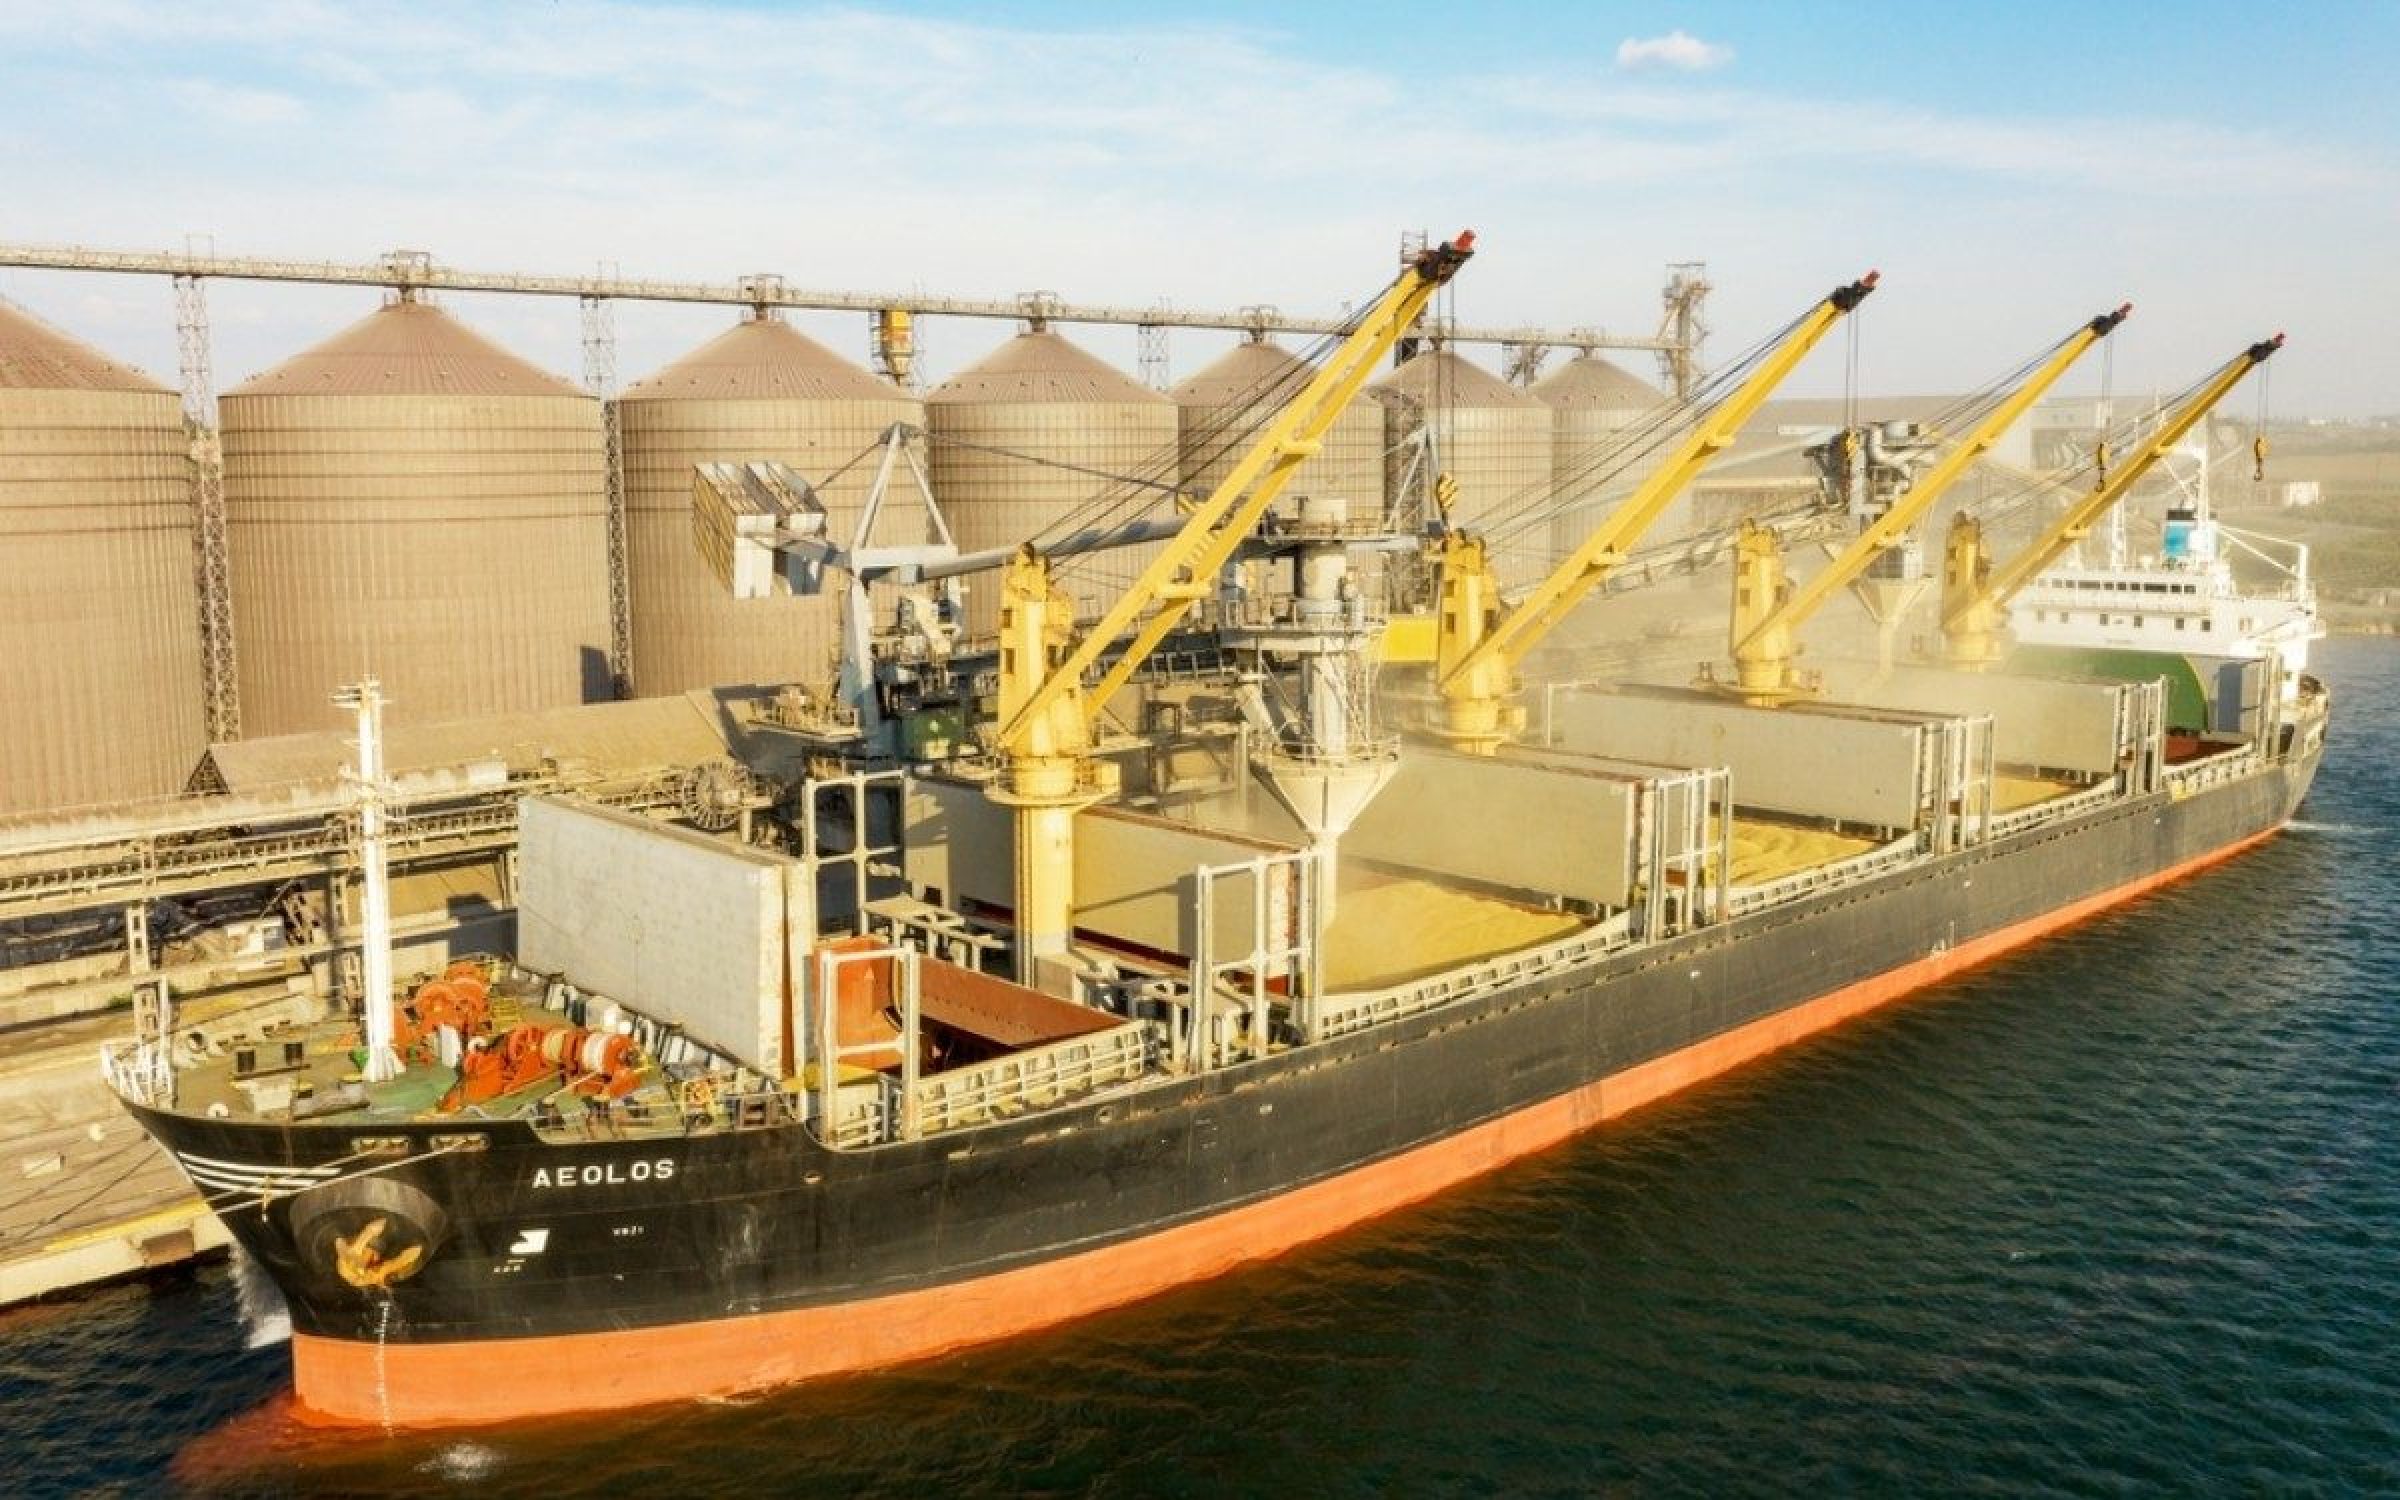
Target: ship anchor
(363, 1265)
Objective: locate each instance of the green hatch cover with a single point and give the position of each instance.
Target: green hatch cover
(2187, 696)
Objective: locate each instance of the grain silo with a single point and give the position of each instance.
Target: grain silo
(760, 390)
(1595, 454)
(1222, 409)
(1011, 433)
(100, 664)
(1493, 439)
(409, 499)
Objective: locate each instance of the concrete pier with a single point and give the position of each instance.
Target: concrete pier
(85, 1196)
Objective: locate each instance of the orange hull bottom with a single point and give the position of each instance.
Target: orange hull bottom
(494, 1380)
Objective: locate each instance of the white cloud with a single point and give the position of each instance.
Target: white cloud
(1678, 49)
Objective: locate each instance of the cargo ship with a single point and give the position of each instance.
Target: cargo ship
(988, 1043)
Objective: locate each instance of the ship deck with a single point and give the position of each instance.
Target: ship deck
(317, 1069)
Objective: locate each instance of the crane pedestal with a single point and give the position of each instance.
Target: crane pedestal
(1972, 620)
(1047, 792)
(1478, 712)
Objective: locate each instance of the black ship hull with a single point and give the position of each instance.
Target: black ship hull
(657, 1270)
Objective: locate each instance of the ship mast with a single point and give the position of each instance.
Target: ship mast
(375, 893)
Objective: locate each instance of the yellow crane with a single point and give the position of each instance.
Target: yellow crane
(1480, 642)
(1975, 594)
(1048, 713)
(1768, 613)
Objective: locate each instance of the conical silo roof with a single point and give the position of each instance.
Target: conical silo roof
(1442, 378)
(1249, 372)
(1224, 404)
(1041, 367)
(1589, 381)
(409, 499)
(406, 349)
(762, 359)
(37, 357)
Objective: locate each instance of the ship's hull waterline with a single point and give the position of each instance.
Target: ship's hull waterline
(622, 1273)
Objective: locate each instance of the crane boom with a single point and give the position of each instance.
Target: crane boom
(1766, 618)
(1480, 642)
(1048, 717)
(1185, 571)
(1975, 595)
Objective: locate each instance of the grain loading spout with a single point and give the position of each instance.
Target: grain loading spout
(1048, 712)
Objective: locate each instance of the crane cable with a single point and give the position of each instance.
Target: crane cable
(1541, 503)
(2126, 432)
(1505, 526)
(1850, 341)
(2258, 436)
(2108, 405)
(1252, 411)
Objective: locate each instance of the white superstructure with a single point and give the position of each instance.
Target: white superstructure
(2186, 599)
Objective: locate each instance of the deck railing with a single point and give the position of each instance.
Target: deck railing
(2001, 825)
(139, 1071)
(2212, 770)
(1034, 1078)
(1341, 1014)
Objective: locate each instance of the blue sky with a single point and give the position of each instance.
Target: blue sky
(2011, 169)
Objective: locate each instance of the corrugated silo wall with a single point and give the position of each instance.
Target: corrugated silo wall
(100, 665)
(688, 631)
(1216, 434)
(455, 546)
(1501, 457)
(994, 500)
(1590, 471)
